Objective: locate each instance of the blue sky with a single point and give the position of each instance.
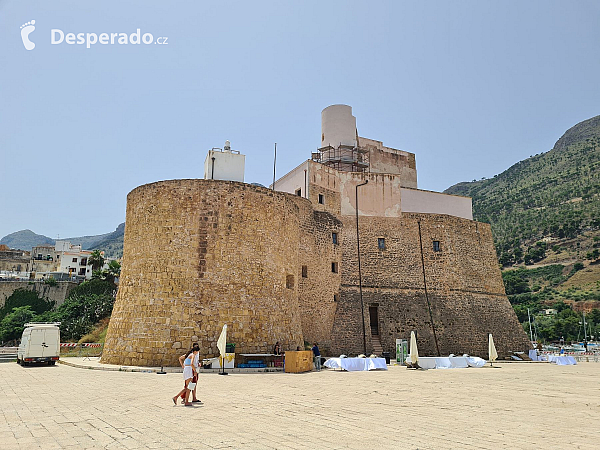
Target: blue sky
(470, 87)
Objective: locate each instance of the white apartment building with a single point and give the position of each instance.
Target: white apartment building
(62, 258)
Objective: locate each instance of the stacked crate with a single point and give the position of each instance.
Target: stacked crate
(253, 364)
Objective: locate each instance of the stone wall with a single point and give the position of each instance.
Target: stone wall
(318, 290)
(388, 160)
(56, 293)
(465, 294)
(201, 253)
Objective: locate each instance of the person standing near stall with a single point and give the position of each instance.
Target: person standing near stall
(317, 355)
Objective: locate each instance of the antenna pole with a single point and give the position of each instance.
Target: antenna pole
(274, 164)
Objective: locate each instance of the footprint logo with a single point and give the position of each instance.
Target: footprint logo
(26, 30)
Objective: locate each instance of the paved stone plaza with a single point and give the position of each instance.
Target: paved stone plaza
(533, 405)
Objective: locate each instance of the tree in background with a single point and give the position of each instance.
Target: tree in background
(114, 270)
(79, 313)
(11, 327)
(25, 297)
(96, 260)
(109, 274)
(85, 306)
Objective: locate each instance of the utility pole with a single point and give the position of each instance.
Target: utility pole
(530, 333)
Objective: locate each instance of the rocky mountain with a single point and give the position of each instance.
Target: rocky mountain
(547, 206)
(25, 240)
(111, 243)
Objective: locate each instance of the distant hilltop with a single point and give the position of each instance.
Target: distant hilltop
(111, 243)
(552, 198)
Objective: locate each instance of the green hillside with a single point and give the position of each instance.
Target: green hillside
(545, 218)
(547, 206)
(112, 244)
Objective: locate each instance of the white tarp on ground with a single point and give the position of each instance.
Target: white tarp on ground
(450, 362)
(562, 360)
(356, 364)
(474, 361)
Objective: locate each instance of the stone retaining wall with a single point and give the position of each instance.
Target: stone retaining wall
(56, 293)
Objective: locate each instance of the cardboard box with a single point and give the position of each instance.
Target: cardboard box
(297, 362)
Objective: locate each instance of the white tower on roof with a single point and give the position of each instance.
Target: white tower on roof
(338, 126)
(224, 164)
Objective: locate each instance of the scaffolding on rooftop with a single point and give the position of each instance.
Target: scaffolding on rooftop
(345, 158)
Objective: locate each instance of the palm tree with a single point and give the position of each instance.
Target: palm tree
(96, 260)
(114, 270)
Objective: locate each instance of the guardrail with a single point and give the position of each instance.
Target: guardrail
(87, 349)
(8, 350)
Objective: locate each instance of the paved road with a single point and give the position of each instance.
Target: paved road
(516, 406)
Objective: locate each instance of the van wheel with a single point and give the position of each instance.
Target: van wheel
(51, 363)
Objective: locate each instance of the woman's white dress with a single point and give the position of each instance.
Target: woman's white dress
(187, 368)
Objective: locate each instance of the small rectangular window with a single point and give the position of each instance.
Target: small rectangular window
(335, 297)
(321, 199)
(304, 271)
(436, 246)
(381, 243)
(334, 267)
(74, 259)
(299, 192)
(334, 237)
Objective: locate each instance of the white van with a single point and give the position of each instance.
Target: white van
(40, 343)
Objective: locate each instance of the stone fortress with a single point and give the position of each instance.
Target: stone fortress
(282, 264)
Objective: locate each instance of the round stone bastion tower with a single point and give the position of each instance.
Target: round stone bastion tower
(198, 254)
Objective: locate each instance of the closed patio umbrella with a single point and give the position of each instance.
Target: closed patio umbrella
(221, 345)
(414, 352)
(493, 354)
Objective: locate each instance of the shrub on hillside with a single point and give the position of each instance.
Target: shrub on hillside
(11, 326)
(94, 287)
(79, 313)
(576, 268)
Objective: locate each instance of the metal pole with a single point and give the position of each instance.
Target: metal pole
(530, 333)
(274, 163)
(426, 294)
(584, 332)
(362, 306)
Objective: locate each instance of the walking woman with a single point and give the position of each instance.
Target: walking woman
(196, 367)
(188, 374)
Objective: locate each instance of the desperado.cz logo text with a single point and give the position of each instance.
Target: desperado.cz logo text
(58, 37)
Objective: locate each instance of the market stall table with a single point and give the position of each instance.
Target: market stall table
(356, 364)
(268, 357)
